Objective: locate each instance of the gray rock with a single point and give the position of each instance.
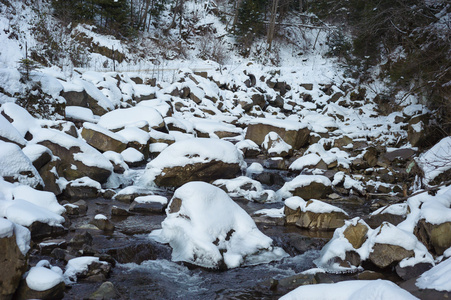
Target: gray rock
(105, 291)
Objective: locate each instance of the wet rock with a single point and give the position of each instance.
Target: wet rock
(102, 139)
(356, 234)
(296, 138)
(269, 178)
(437, 238)
(41, 230)
(83, 206)
(72, 210)
(102, 222)
(105, 291)
(81, 239)
(384, 255)
(370, 275)
(290, 283)
(352, 259)
(117, 211)
(409, 272)
(276, 163)
(139, 252)
(12, 265)
(46, 247)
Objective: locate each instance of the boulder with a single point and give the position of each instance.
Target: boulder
(139, 116)
(436, 237)
(293, 133)
(105, 291)
(417, 134)
(41, 230)
(274, 145)
(102, 222)
(194, 160)
(82, 188)
(102, 139)
(384, 255)
(307, 187)
(50, 177)
(38, 154)
(13, 263)
(41, 283)
(77, 158)
(149, 204)
(414, 271)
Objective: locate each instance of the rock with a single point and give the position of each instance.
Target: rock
(41, 230)
(194, 160)
(416, 131)
(38, 154)
(356, 234)
(46, 247)
(274, 145)
(50, 177)
(129, 194)
(149, 204)
(259, 99)
(81, 239)
(102, 139)
(321, 221)
(139, 252)
(437, 238)
(384, 255)
(105, 291)
(12, 265)
(289, 283)
(119, 212)
(410, 272)
(308, 187)
(102, 222)
(371, 156)
(307, 86)
(68, 149)
(375, 220)
(370, 275)
(24, 292)
(82, 188)
(293, 133)
(352, 259)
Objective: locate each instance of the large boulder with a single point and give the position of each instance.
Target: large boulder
(384, 255)
(13, 262)
(77, 158)
(42, 283)
(195, 159)
(307, 187)
(293, 133)
(200, 233)
(102, 139)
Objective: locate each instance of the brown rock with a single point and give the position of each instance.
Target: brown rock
(208, 172)
(384, 255)
(321, 221)
(12, 265)
(295, 138)
(437, 238)
(56, 292)
(356, 234)
(315, 190)
(101, 141)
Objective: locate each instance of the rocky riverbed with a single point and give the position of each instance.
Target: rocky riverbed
(230, 187)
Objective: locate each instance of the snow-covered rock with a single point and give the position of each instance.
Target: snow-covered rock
(192, 160)
(200, 233)
(307, 187)
(138, 116)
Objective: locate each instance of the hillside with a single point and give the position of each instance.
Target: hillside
(181, 152)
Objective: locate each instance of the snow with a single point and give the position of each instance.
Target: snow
(13, 162)
(131, 155)
(134, 134)
(436, 160)
(22, 120)
(275, 145)
(350, 290)
(43, 199)
(309, 160)
(254, 168)
(6, 228)
(8, 131)
(86, 181)
(81, 113)
(95, 93)
(34, 151)
(42, 279)
(313, 205)
(399, 209)
(437, 278)
(200, 233)
(152, 198)
(25, 213)
(100, 217)
(138, 115)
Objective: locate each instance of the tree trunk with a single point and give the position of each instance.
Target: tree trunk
(272, 23)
